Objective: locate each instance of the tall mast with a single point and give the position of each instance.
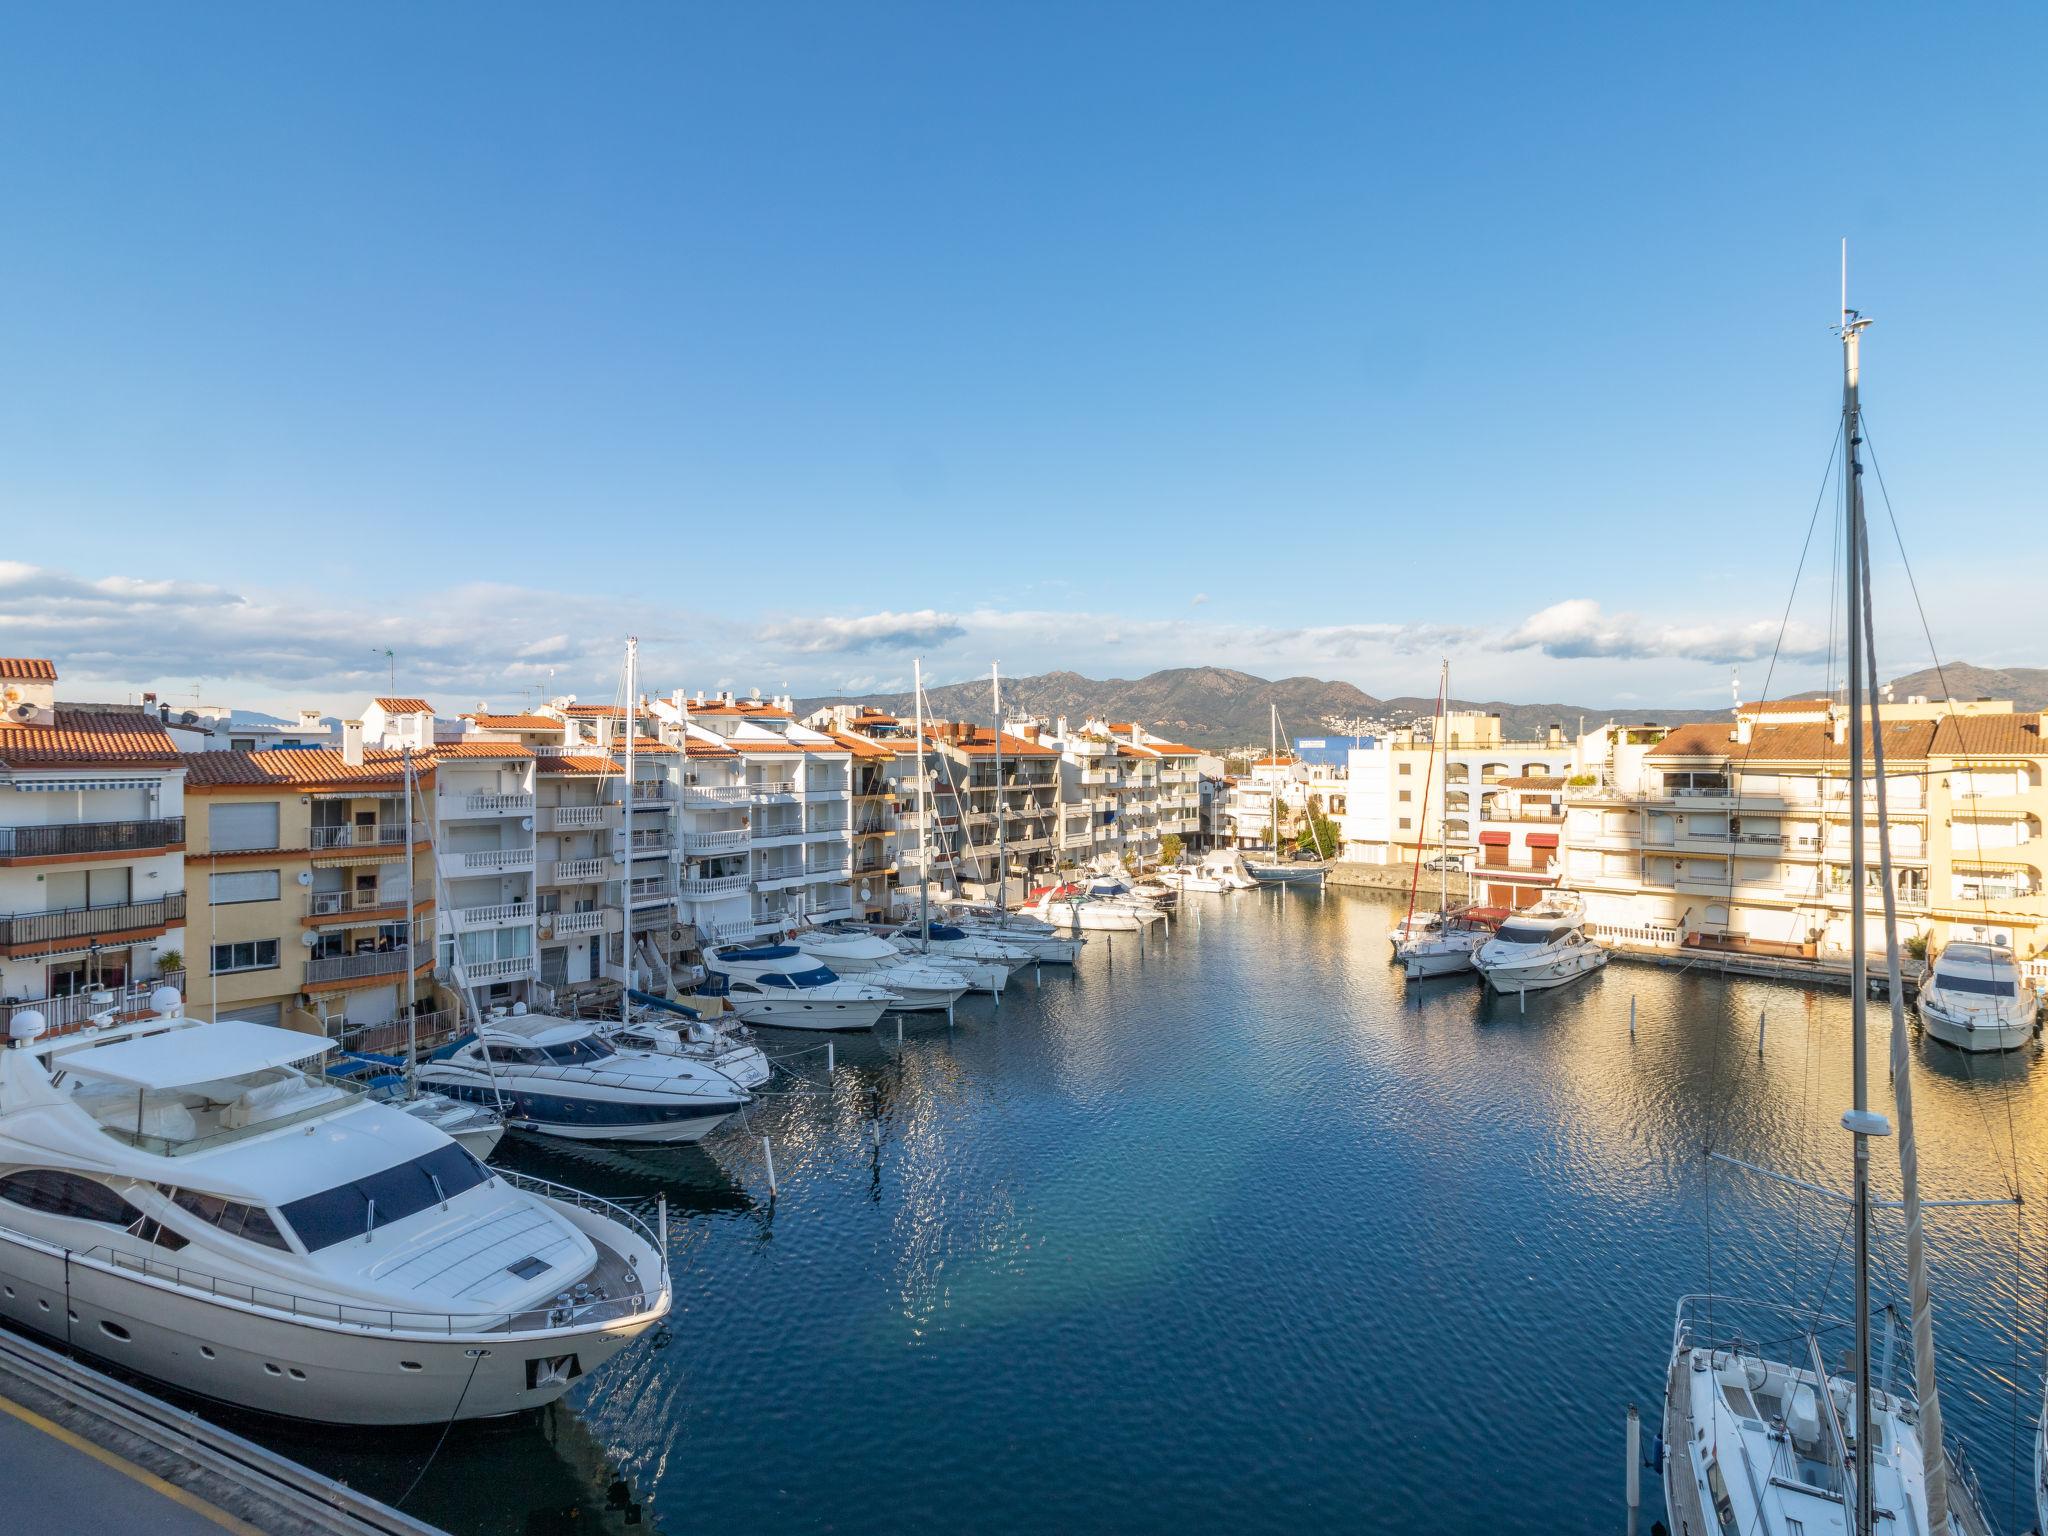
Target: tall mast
(995, 683)
(1860, 1121)
(1273, 758)
(924, 840)
(412, 959)
(632, 706)
(1443, 817)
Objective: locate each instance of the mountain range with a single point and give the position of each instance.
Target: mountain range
(1220, 708)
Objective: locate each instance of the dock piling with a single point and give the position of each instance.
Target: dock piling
(829, 1060)
(1631, 1015)
(768, 1152)
(1761, 1015)
(1635, 1469)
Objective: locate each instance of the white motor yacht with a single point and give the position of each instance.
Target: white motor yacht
(987, 963)
(1220, 869)
(1974, 998)
(917, 987)
(187, 1201)
(476, 1128)
(1540, 946)
(1071, 907)
(559, 1077)
(1040, 941)
(719, 1041)
(780, 984)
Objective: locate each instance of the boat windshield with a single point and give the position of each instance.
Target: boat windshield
(570, 1053)
(1525, 933)
(361, 1206)
(824, 975)
(1984, 986)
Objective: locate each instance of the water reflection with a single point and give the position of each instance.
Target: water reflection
(1239, 1228)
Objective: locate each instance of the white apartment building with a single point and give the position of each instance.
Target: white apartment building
(1400, 794)
(92, 841)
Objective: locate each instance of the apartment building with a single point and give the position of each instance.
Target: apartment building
(92, 853)
(1176, 788)
(1521, 825)
(1735, 835)
(310, 886)
(1400, 794)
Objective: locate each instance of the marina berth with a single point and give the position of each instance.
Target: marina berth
(1974, 998)
(780, 984)
(917, 987)
(186, 1200)
(565, 1078)
(718, 1040)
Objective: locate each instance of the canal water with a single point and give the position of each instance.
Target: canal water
(1237, 1229)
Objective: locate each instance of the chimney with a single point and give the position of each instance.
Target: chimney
(1841, 725)
(1554, 737)
(309, 719)
(352, 743)
(1031, 732)
(1745, 727)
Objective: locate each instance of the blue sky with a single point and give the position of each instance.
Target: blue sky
(806, 338)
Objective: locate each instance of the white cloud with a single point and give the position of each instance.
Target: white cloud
(1578, 628)
(869, 632)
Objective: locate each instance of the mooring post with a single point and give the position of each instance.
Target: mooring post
(1761, 1014)
(1631, 1015)
(1635, 1469)
(829, 1060)
(768, 1151)
(1522, 997)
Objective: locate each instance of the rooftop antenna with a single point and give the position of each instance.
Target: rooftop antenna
(391, 660)
(1735, 687)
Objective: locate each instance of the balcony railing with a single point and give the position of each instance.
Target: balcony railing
(713, 885)
(715, 842)
(568, 924)
(772, 793)
(578, 871)
(713, 796)
(580, 818)
(765, 832)
(494, 915)
(645, 891)
(496, 859)
(652, 792)
(383, 962)
(85, 837)
(653, 840)
(486, 803)
(88, 922)
(343, 903)
(513, 968)
(66, 1013)
(388, 834)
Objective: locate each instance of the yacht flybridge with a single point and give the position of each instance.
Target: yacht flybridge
(1540, 946)
(560, 1077)
(186, 1200)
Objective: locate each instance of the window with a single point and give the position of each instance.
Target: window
(1406, 769)
(56, 1193)
(572, 1053)
(358, 1208)
(252, 955)
(1405, 823)
(1406, 796)
(243, 885)
(252, 1222)
(231, 827)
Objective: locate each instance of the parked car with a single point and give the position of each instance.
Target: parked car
(1446, 863)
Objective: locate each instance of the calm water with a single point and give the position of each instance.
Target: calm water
(1251, 1234)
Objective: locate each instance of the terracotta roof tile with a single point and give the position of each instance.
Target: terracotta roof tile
(28, 669)
(742, 709)
(1784, 707)
(405, 706)
(298, 768)
(1904, 741)
(84, 739)
(861, 747)
(515, 722)
(1531, 781)
(581, 764)
(1989, 736)
(480, 749)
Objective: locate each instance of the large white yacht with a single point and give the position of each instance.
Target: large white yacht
(917, 987)
(1070, 906)
(185, 1200)
(779, 984)
(561, 1077)
(1974, 998)
(662, 1028)
(987, 963)
(1220, 869)
(1540, 946)
(1041, 941)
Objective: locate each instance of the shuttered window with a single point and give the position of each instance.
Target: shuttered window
(244, 885)
(230, 827)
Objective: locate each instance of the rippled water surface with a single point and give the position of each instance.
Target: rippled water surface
(1241, 1230)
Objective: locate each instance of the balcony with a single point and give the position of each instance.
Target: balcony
(479, 802)
(569, 925)
(501, 914)
(326, 970)
(779, 833)
(579, 818)
(715, 842)
(652, 794)
(829, 829)
(85, 838)
(713, 885)
(62, 1014)
(1099, 776)
(577, 871)
(711, 797)
(32, 930)
(350, 904)
(494, 860)
(514, 968)
(773, 792)
(388, 834)
(647, 892)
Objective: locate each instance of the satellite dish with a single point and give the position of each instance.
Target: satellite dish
(526, 823)
(26, 1026)
(167, 1001)
(309, 938)
(305, 877)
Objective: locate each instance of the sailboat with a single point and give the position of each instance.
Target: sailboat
(1277, 871)
(1795, 1445)
(1444, 944)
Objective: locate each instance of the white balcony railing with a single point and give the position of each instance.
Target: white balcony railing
(326, 968)
(567, 924)
(581, 818)
(496, 859)
(383, 835)
(645, 892)
(496, 915)
(713, 796)
(578, 871)
(713, 885)
(715, 842)
(484, 803)
(774, 792)
(513, 968)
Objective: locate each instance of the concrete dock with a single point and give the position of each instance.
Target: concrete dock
(81, 1452)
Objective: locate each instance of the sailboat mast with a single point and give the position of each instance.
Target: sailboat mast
(412, 959)
(1859, 1121)
(924, 838)
(626, 937)
(1273, 757)
(1443, 817)
(995, 695)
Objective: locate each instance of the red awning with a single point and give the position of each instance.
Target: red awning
(1494, 838)
(1542, 839)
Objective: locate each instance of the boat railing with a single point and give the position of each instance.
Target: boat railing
(637, 1220)
(570, 1309)
(612, 1076)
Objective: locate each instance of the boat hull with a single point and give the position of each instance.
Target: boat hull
(1281, 874)
(267, 1360)
(792, 1013)
(1420, 965)
(529, 1109)
(1551, 971)
(1969, 1033)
